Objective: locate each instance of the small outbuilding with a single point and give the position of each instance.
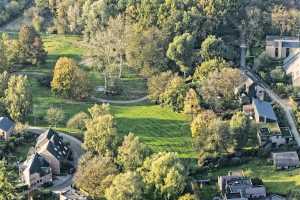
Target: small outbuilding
(263, 111)
(286, 160)
(7, 127)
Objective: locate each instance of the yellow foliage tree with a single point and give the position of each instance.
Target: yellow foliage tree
(69, 80)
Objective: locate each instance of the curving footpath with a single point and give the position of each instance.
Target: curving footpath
(100, 100)
(75, 145)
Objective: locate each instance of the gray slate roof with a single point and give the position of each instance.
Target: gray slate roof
(264, 109)
(54, 144)
(37, 164)
(6, 124)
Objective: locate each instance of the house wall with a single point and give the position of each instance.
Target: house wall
(53, 162)
(36, 180)
(270, 51)
(256, 192)
(294, 71)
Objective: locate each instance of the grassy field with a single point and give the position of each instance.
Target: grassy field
(160, 128)
(279, 182)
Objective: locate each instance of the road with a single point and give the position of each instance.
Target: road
(77, 151)
(287, 109)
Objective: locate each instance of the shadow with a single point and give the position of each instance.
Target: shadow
(159, 134)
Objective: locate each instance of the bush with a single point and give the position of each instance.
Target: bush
(55, 116)
(78, 121)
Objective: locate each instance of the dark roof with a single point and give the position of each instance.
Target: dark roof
(59, 151)
(47, 135)
(38, 164)
(52, 142)
(264, 109)
(6, 124)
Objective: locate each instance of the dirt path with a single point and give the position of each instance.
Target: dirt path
(100, 100)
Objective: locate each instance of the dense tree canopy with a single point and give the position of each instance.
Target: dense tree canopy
(164, 175)
(18, 98)
(69, 80)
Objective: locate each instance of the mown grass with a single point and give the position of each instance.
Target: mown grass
(160, 128)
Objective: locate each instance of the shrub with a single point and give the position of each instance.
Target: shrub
(55, 116)
(78, 121)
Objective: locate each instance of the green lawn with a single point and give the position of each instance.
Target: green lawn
(280, 182)
(160, 128)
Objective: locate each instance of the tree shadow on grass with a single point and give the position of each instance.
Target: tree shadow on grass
(160, 134)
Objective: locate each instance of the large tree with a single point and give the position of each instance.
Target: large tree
(157, 84)
(69, 80)
(206, 67)
(240, 127)
(128, 185)
(95, 174)
(181, 51)
(286, 21)
(107, 52)
(191, 103)
(164, 175)
(218, 88)
(211, 135)
(31, 48)
(213, 47)
(7, 190)
(101, 134)
(145, 50)
(18, 98)
(132, 152)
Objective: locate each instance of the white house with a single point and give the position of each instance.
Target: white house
(282, 47)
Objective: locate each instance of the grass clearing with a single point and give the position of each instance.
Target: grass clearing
(160, 128)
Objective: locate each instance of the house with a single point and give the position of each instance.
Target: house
(237, 187)
(51, 146)
(282, 47)
(7, 127)
(71, 194)
(263, 111)
(35, 171)
(291, 66)
(275, 136)
(286, 160)
(249, 89)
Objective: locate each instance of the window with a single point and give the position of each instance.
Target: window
(287, 53)
(276, 52)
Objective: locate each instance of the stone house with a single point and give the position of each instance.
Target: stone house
(35, 171)
(51, 146)
(236, 187)
(7, 127)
